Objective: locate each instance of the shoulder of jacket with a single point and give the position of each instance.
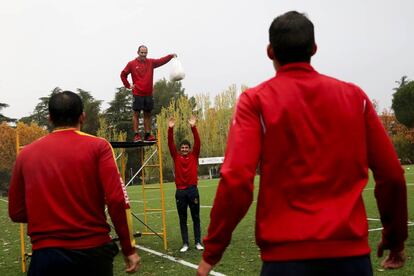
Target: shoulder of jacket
(340, 82)
(93, 138)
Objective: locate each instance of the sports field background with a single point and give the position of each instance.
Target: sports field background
(242, 256)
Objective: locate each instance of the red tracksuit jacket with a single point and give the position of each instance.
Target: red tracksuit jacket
(142, 73)
(315, 138)
(185, 166)
(60, 185)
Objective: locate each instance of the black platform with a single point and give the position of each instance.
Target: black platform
(115, 144)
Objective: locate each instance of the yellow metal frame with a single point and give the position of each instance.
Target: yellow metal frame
(23, 254)
(147, 210)
(145, 187)
(146, 164)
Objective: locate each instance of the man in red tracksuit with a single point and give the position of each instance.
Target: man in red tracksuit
(315, 139)
(60, 186)
(142, 73)
(186, 195)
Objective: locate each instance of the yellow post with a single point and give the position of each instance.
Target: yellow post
(164, 223)
(123, 164)
(22, 248)
(23, 253)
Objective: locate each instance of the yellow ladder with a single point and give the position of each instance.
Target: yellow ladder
(153, 148)
(23, 253)
(148, 210)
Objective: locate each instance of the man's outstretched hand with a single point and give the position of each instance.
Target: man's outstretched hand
(396, 259)
(171, 122)
(131, 87)
(203, 268)
(192, 121)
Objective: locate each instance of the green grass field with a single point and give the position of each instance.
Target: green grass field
(241, 258)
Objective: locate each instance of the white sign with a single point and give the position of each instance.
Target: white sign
(210, 160)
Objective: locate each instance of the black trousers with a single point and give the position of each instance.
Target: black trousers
(65, 262)
(189, 198)
(350, 266)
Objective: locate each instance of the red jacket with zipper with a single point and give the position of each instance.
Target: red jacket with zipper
(315, 138)
(185, 167)
(142, 73)
(60, 186)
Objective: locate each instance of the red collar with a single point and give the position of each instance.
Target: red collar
(295, 66)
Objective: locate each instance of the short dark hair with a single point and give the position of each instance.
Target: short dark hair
(185, 142)
(65, 108)
(140, 46)
(292, 37)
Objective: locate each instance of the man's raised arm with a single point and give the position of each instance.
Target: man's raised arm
(171, 144)
(192, 121)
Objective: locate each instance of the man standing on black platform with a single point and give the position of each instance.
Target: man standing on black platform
(185, 166)
(142, 73)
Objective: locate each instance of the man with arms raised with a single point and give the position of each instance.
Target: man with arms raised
(186, 195)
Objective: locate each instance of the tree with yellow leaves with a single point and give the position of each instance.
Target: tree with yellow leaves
(213, 124)
(402, 137)
(27, 134)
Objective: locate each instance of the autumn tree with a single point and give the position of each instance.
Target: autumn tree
(27, 134)
(401, 136)
(216, 119)
(213, 124)
(8, 154)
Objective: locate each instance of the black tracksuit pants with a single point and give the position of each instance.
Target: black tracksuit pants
(347, 266)
(96, 261)
(189, 198)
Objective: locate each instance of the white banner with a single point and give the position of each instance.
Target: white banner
(210, 160)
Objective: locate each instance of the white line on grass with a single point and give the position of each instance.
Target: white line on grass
(168, 257)
(171, 258)
(375, 229)
(379, 229)
(410, 223)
